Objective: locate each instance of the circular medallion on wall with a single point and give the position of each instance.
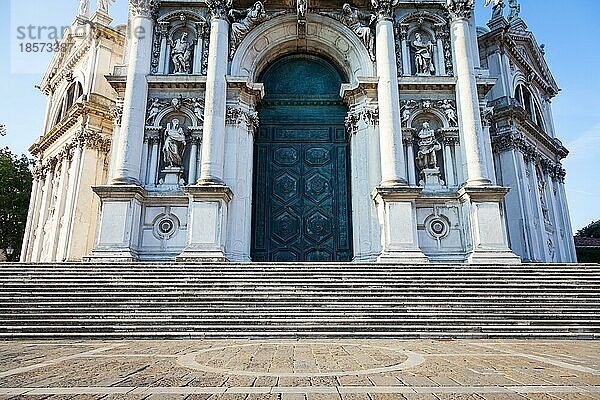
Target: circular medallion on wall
(165, 226)
(437, 226)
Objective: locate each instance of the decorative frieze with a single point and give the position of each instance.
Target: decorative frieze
(410, 108)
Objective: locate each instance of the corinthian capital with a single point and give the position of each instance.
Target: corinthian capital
(460, 9)
(384, 8)
(219, 8)
(143, 8)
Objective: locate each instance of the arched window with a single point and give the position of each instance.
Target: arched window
(73, 93)
(526, 100)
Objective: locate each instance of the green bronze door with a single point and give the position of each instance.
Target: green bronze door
(301, 165)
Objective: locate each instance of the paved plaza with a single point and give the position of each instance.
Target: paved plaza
(304, 369)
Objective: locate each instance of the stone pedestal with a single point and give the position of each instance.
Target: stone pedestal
(431, 180)
(118, 234)
(398, 220)
(207, 222)
(173, 179)
(482, 205)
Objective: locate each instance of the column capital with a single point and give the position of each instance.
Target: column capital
(143, 8)
(460, 9)
(384, 9)
(219, 8)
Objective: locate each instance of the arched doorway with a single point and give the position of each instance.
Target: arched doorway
(301, 204)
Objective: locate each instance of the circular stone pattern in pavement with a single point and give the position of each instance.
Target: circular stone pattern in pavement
(300, 360)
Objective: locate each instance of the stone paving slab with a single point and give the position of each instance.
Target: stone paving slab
(303, 369)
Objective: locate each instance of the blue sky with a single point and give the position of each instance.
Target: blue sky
(569, 29)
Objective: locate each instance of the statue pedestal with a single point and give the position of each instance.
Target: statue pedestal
(101, 18)
(431, 180)
(173, 179)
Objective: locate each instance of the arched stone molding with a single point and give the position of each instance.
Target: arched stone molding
(324, 36)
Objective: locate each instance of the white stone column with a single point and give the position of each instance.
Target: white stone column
(31, 214)
(59, 207)
(213, 145)
(449, 162)
(193, 162)
(44, 208)
(410, 160)
(129, 155)
(71, 201)
(393, 164)
(145, 161)
(466, 91)
(406, 66)
(153, 168)
(440, 68)
(197, 65)
(163, 63)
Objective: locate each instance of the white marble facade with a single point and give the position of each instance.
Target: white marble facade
(453, 156)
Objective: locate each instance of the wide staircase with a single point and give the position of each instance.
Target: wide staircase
(299, 301)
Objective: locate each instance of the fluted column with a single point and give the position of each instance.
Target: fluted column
(213, 154)
(129, 154)
(393, 163)
(466, 91)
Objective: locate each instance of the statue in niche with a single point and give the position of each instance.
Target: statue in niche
(423, 56)
(104, 5)
(181, 54)
(174, 144)
(154, 109)
(497, 8)
(428, 146)
(84, 8)
(362, 24)
(244, 21)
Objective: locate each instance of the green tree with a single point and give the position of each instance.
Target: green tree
(15, 191)
(591, 231)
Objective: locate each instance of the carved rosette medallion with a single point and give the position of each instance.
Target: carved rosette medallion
(460, 9)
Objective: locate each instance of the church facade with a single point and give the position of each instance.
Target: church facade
(312, 131)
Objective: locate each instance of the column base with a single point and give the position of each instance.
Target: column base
(207, 224)
(118, 233)
(493, 257)
(488, 234)
(398, 220)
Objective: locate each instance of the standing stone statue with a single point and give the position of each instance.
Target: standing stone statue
(174, 144)
(428, 146)
(104, 5)
(362, 24)
(450, 112)
(497, 8)
(84, 8)
(515, 9)
(244, 21)
(181, 54)
(423, 56)
(154, 109)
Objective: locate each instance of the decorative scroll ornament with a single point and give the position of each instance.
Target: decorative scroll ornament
(219, 8)
(143, 8)
(384, 8)
(460, 9)
(238, 116)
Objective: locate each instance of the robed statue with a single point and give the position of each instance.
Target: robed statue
(181, 54)
(428, 146)
(423, 56)
(174, 145)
